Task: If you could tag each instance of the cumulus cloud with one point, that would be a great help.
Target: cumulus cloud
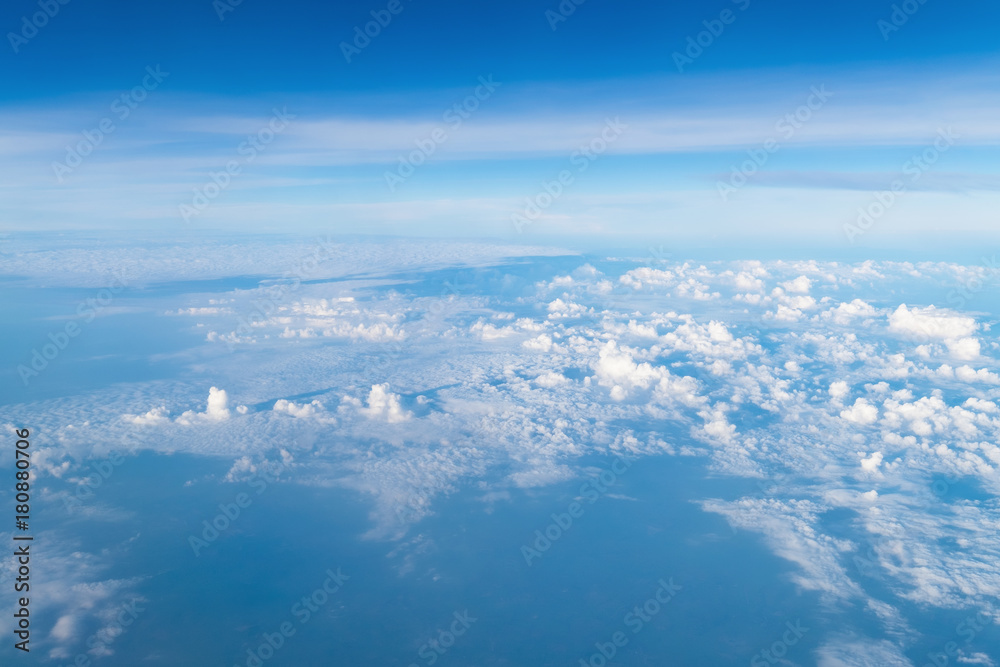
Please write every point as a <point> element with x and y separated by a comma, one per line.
<point>800,285</point>
<point>382,405</point>
<point>930,323</point>
<point>560,309</point>
<point>216,409</point>
<point>153,417</point>
<point>645,276</point>
<point>871,463</point>
<point>862,412</point>
<point>838,390</point>
<point>617,369</point>
<point>551,379</point>
<point>540,343</point>
<point>314,409</point>
<point>845,313</point>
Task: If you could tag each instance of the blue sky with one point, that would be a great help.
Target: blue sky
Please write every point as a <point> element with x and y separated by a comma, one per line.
<point>892,87</point>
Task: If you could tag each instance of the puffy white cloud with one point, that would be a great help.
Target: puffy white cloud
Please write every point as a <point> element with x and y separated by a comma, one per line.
<point>845,313</point>
<point>694,289</point>
<point>968,374</point>
<point>616,368</point>
<point>930,323</point>
<point>560,309</point>
<point>871,463</point>
<point>638,278</point>
<point>300,411</point>
<point>748,283</point>
<point>800,285</point>
<point>838,390</point>
<point>216,409</point>
<point>153,417</point>
<point>384,405</point>
<point>965,349</point>
<point>785,314</point>
<point>717,426</point>
<point>540,343</point>
<point>981,405</point>
<point>862,412</point>
<point>551,379</point>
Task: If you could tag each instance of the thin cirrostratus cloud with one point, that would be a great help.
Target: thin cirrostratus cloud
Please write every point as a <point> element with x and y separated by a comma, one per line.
<point>332,158</point>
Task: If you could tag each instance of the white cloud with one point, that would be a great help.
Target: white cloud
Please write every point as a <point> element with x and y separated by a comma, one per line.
<point>540,343</point>
<point>930,323</point>
<point>800,285</point>
<point>616,368</point>
<point>645,276</point>
<point>312,409</point>
<point>872,463</point>
<point>566,309</point>
<point>968,374</point>
<point>216,409</point>
<point>977,658</point>
<point>153,417</point>
<point>550,380</point>
<point>857,652</point>
<point>862,412</point>
<point>384,405</point>
<point>845,313</point>
<point>838,390</point>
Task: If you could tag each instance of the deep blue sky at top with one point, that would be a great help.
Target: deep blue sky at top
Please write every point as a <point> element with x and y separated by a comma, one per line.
<point>293,46</point>
<point>688,132</point>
